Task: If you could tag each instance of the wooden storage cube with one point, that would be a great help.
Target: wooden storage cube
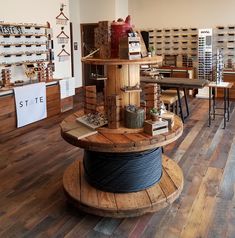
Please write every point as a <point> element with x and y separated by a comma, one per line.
<point>154,128</point>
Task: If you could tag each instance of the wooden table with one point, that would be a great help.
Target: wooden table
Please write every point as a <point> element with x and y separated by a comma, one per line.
<point>178,83</point>
<point>226,86</point>
<point>92,200</point>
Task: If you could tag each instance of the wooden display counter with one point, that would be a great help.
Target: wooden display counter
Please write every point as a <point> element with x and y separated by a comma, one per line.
<point>122,174</point>
<point>119,205</point>
<point>111,204</point>
<point>8,110</point>
<point>117,140</point>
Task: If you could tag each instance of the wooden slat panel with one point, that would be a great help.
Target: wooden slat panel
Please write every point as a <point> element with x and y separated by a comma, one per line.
<point>134,75</point>
<point>129,201</point>
<point>7,105</point>
<point>121,82</point>
<point>174,173</point>
<point>100,140</point>
<point>138,139</point>
<point>106,200</point>
<point>156,196</point>
<point>7,109</point>
<point>167,185</point>
<point>118,139</point>
<point>88,193</point>
<point>72,180</point>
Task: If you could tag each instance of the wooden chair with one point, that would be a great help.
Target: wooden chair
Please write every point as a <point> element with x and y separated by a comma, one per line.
<point>170,99</point>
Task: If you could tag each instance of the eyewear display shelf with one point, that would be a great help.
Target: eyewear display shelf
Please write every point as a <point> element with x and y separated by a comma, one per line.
<point>179,42</point>
<point>117,142</point>
<point>24,43</point>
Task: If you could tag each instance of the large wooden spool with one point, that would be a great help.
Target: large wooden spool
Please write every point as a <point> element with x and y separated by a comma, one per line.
<point>119,205</point>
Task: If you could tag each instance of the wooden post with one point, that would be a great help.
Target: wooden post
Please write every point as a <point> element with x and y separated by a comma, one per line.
<point>90,99</point>
<point>113,111</point>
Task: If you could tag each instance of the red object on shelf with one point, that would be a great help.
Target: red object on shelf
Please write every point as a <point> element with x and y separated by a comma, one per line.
<point>118,30</point>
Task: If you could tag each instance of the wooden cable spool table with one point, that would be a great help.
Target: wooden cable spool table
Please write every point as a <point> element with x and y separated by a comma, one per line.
<point>89,199</point>
<point>84,185</point>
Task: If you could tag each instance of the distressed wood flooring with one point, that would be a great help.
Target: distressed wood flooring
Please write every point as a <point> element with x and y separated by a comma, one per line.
<point>32,203</point>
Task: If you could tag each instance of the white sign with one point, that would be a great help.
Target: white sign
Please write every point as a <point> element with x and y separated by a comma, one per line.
<point>30,103</point>
<point>67,87</point>
<point>205,32</point>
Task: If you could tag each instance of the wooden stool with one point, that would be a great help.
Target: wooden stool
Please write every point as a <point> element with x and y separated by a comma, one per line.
<point>170,99</point>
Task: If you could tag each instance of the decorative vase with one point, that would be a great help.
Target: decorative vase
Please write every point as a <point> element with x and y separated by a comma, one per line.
<point>134,119</point>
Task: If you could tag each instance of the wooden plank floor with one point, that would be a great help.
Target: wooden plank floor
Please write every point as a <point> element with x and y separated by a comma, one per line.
<point>32,203</point>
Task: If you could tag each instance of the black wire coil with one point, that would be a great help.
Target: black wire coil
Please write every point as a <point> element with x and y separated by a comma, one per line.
<point>123,172</point>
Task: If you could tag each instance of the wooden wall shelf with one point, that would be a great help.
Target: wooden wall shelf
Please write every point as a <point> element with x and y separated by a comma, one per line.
<point>18,40</point>
<point>26,25</point>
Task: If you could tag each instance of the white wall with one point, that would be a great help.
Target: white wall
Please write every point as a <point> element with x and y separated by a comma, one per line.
<point>90,11</point>
<point>32,11</point>
<point>121,9</point>
<point>181,13</point>
<point>93,11</point>
<point>74,9</point>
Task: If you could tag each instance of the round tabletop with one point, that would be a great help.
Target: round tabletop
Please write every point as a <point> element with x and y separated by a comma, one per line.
<point>116,140</point>
<point>117,61</point>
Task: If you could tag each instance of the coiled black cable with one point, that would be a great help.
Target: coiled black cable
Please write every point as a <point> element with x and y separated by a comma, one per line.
<point>123,172</point>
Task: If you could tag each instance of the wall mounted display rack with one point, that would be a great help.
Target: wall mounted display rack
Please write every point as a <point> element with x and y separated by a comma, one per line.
<point>24,43</point>
<point>183,43</point>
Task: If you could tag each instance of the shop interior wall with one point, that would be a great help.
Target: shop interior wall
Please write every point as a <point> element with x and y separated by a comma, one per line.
<point>181,13</point>
<point>90,11</point>
<point>74,12</point>
<point>28,11</point>
<point>93,11</point>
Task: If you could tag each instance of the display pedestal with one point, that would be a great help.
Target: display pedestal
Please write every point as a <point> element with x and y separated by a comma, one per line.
<point>112,149</point>
<point>120,205</point>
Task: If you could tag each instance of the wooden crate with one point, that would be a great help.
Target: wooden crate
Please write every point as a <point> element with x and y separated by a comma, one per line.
<point>154,128</point>
<point>152,97</point>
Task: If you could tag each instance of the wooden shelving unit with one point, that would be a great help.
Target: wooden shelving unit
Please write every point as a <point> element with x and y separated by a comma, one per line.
<point>183,42</point>
<point>115,139</point>
<point>24,43</point>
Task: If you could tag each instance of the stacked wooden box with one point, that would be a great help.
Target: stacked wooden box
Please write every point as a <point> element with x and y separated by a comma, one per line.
<point>154,128</point>
<point>49,73</point>
<point>90,99</point>
<point>41,74</point>
<point>6,77</point>
<point>113,111</point>
<point>103,39</point>
<point>152,93</point>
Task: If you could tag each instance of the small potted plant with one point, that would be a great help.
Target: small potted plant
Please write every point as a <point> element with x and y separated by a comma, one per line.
<point>152,51</point>
<point>155,113</point>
